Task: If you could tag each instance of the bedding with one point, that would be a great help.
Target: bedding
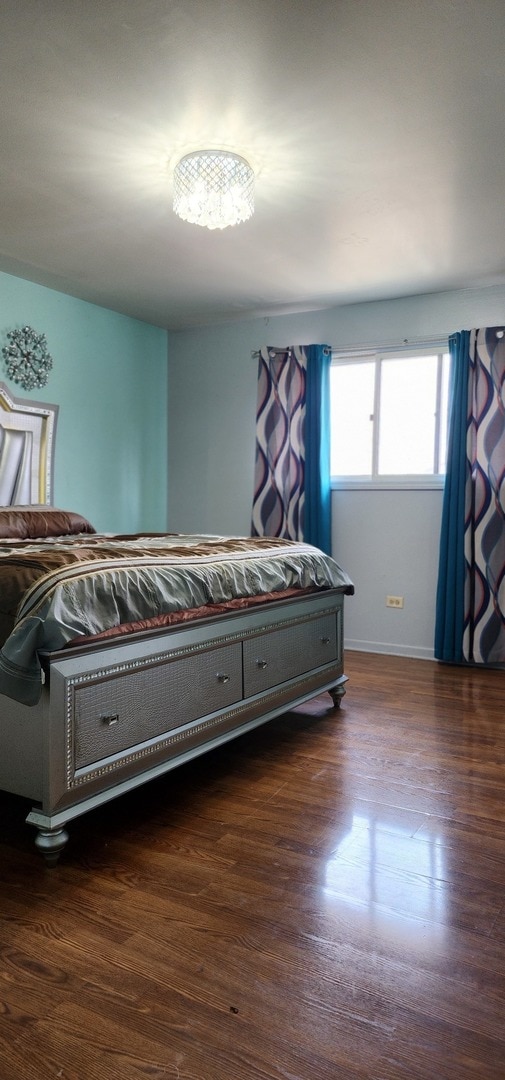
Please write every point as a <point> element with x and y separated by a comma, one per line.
<point>59,589</point>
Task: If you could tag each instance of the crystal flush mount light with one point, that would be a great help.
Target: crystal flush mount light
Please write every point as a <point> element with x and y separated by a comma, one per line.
<point>213,188</point>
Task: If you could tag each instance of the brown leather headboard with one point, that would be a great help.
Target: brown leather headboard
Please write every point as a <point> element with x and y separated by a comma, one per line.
<point>27,431</point>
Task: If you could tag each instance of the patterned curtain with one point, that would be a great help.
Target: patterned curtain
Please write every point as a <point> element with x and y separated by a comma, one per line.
<point>471,589</point>
<point>292,473</point>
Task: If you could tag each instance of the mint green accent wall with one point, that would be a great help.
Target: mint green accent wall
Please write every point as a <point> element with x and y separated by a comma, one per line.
<point>110,382</point>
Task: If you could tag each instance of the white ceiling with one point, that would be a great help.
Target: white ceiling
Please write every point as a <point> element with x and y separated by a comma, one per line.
<point>376,129</point>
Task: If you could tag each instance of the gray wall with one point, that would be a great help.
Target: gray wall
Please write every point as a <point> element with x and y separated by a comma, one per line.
<point>387,540</point>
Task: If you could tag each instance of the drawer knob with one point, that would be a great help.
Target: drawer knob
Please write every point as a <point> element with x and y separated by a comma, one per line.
<point>109,719</point>
<point>222,678</point>
<point>325,640</point>
<point>262,663</point>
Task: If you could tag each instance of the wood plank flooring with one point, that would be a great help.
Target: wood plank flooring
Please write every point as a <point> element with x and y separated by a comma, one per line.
<point>323,899</point>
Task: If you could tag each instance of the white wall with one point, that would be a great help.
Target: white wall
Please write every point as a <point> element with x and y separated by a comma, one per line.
<point>387,541</point>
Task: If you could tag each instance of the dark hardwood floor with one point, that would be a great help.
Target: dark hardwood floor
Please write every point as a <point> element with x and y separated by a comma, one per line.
<point>323,899</point>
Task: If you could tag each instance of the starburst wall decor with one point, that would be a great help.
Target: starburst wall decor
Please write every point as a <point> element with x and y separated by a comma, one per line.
<point>27,359</point>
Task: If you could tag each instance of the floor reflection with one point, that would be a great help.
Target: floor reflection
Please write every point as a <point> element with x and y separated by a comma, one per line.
<point>383,866</point>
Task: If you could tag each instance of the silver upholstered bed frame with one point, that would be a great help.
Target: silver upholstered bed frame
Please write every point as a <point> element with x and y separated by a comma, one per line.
<point>114,715</point>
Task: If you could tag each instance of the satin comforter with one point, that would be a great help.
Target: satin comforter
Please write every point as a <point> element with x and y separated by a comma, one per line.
<point>56,590</point>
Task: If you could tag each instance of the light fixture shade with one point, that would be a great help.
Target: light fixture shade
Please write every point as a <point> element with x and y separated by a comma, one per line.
<point>213,188</point>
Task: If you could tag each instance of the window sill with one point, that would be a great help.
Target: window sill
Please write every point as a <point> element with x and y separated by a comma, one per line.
<point>388,483</point>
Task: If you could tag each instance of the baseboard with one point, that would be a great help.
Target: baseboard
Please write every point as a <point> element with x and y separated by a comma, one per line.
<point>416,652</point>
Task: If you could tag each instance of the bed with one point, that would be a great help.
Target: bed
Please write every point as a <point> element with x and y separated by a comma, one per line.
<point>125,656</point>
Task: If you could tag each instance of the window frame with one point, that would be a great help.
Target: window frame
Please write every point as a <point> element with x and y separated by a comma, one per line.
<point>396,481</point>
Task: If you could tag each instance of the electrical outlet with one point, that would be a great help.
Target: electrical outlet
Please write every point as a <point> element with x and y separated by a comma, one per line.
<point>394,601</point>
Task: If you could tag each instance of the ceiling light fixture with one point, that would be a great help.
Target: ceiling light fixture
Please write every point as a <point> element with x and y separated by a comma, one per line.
<point>213,188</point>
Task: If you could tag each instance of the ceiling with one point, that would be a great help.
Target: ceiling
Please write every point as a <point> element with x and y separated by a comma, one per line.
<point>376,129</point>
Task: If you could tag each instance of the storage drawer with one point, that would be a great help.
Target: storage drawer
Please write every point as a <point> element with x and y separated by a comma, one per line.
<point>282,654</point>
<point>116,712</point>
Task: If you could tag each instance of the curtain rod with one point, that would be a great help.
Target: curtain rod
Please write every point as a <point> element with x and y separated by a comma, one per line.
<point>438,341</point>
<point>279,349</point>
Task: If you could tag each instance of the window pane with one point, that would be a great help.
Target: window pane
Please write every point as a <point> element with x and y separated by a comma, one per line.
<point>407,415</point>
<point>444,412</point>
<point>352,402</point>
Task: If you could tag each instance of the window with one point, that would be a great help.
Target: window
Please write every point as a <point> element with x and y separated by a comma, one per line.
<point>389,418</point>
